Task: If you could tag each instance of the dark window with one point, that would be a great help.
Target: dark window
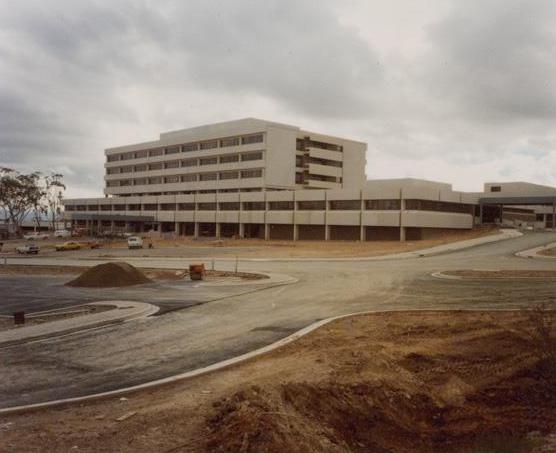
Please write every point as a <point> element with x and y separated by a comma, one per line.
<point>311,205</point>
<point>229,175</point>
<point>228,206</point>
<point>252,156</point>
<point>210,144</point>
<point>140,168</point>
<point>382,205</point>
<point>186,206</point>
<point>106,207</point>
<point>172,164</point>
<point>188,178</point>
<point>92,207</point>
<point>299,161</point>
<point>206,206</point>
<point>231,141</point>
<point>495,189</point>
<point>253,205</point>
<point>438,206</point>
<point>119,207</point>
<point>208,161</point>
<point>258,138</point>
<point>157,166</point>
<point>229,158</point>
<point>540,217</point>
<point>134,207</point>
<point>171,179</point>
<point>155,180</point>
<point>189,163</point>
<point>345,205</point>
<point>150,207</point>
<point>280,205</point>
<point>156,152</point>
<point>168,207</point>
<point>299,178</point>
<point>140,181</point>
<point>141,154</point>
<point>172,150</point>
<point>69,207</point>
<point>190,147</point>
<point>251,173</point>
<point>208,176</point>
<point>113,158</point>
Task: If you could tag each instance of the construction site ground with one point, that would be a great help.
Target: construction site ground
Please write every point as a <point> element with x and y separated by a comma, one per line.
<point>246,248</point>
<point>392,382</point>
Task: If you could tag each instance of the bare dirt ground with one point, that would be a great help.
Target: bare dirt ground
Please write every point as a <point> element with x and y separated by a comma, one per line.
<point>153,274</point>
<point>254,248</point>
<point>502,274</point>
<point>395,382</point>
<point>6,322</point>
<point>548,252</point>
<point>257,248</point>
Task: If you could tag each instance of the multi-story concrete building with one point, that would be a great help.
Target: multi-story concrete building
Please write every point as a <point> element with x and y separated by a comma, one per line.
<point>238,156</point>
<point>248,178</point>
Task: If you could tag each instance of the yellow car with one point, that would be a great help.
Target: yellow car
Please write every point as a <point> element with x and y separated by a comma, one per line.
<point>68,246</point>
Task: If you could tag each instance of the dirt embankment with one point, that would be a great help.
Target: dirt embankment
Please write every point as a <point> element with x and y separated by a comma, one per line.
<point>397,382</point>
<point>548,252</point>
<point>502,274</point>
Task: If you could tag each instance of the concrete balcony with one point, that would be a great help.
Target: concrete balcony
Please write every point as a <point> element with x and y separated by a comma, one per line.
<point>325,170</point>
<point>326,154</point>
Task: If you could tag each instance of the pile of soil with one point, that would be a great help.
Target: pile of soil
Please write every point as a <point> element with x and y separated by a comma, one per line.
<point>489,391</point>
<point>109,275</point>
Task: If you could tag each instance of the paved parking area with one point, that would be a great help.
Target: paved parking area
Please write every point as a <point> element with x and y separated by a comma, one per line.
<point>200,335</point>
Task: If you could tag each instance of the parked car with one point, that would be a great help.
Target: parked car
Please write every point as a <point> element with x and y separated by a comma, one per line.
<point>28,249</point>
<point>35,235</point>
<point>70,245</point>
<point>134,242</point>
<point>62,234</point>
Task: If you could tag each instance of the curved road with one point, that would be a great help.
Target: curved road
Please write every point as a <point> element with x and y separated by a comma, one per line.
<point>178,341</point>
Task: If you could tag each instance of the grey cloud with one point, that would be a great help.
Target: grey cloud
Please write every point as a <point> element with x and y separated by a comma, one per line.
<point>495,59</point>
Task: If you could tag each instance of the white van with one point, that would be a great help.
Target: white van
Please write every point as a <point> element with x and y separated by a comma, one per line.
<point>62,234</point>
<point>134,242</point>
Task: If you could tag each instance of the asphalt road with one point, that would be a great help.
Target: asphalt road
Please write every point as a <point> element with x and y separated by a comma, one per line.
<point>183,340</point>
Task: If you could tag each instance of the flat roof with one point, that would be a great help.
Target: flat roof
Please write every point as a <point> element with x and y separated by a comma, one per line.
<point>525,200</point>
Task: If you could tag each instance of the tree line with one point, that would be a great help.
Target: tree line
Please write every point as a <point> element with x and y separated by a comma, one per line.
<point>25,195</point>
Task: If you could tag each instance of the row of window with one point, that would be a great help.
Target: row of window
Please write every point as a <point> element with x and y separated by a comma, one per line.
<point>193,177</point>
<point>303,143</point>
<point>187,147</point>
<point>320,205</point>
<point>213,160</point>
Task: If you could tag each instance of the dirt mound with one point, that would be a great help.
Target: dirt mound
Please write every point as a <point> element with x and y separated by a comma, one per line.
<point>109,275</point>
<point>490,393</point>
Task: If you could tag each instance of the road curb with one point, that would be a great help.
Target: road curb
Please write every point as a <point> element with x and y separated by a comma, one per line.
<point>535,252</point>
<point>82,323</point>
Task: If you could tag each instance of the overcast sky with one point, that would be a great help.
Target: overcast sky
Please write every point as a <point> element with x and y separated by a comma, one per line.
<point>449,90</point>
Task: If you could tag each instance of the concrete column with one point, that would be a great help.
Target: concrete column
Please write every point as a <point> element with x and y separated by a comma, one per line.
<point>295,227</point>
<point>241,230</point>
<point>362,229</point>
<point>266,231</point>
<point>326,226</point>
<point>295,232</point>
<point>218,230</point>
<point>402,209</point>
<point>480,214</point>
<point>196,233</point>
<point>112,226</point>
<point>176,229</point>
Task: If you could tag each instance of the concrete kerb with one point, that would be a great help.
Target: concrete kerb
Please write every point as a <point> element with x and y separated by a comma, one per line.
<point>61,327</point>
<point>535,252</point>
<point>214,367</point>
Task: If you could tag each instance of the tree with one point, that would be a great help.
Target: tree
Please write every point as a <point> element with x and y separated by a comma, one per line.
<point>53,195</point>
<point>19,194</point>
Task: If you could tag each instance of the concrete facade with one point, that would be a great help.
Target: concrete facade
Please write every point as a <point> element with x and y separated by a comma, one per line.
<point>250,178</point>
